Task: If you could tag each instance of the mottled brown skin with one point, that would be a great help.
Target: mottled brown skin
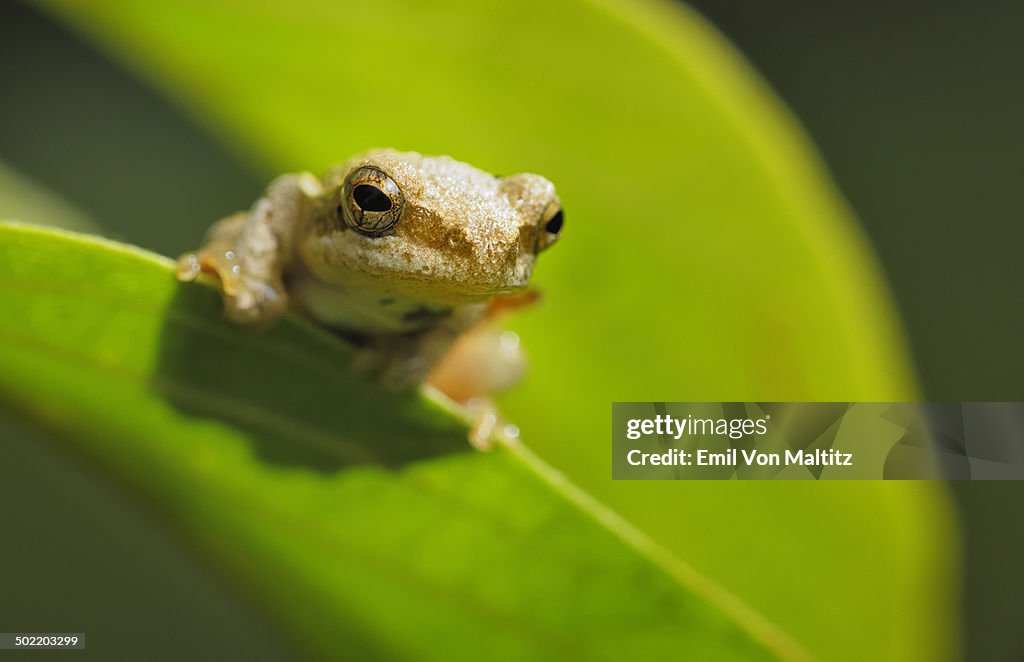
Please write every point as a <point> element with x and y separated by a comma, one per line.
<point>403,253</point>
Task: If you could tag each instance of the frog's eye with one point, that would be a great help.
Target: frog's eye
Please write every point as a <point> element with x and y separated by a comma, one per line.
<point>371,202</point>
<point>550,230</point>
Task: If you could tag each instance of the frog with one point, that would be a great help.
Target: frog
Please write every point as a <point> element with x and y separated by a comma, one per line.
<point>408,257</point>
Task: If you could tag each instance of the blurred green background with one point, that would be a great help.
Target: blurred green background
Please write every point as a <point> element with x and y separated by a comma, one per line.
<point>915,114</point>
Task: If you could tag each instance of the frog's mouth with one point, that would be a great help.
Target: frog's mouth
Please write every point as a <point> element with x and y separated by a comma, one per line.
<point>457,285</point>
<point>434,275</point>
<point>421,273</point>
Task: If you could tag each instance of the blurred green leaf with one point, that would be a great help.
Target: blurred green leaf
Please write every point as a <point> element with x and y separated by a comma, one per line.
<point>706,255</point>
<point>361,518</point>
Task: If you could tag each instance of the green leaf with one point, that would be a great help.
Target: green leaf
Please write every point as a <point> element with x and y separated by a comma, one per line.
<point>706,255</point>
<point>360,518</point>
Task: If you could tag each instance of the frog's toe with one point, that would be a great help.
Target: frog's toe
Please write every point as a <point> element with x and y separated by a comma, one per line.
<point>211,261</point>
<point>254,303</point>
<point>488,428</point>
<point>188,267</point>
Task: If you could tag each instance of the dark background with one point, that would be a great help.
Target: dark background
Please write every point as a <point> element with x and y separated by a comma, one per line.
<point>918,112</point>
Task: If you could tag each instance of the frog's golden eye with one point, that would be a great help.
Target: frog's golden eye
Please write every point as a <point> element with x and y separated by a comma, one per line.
<point>550,230</point>
<point>371,202</point>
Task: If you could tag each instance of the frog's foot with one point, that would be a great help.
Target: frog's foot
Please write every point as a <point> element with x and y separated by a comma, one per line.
<point>487,428</point>
<point>217,256</point>
<point>254,302</point>
<point>247,300</point>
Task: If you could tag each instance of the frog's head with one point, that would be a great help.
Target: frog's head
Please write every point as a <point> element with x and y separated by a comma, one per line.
<point>431,229</point>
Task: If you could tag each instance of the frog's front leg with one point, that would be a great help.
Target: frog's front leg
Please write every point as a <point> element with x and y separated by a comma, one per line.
<point>466,356</point>
<point>469,367</point>
<point>400,361</point>
<point>249,251</point>
<point>486,359</point>
<point>483,362</point>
